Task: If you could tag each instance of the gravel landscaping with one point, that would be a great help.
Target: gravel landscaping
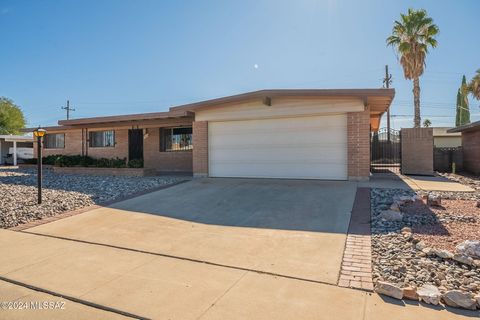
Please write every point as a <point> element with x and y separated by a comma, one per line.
<point>63,192</point>
<point>419,251</point>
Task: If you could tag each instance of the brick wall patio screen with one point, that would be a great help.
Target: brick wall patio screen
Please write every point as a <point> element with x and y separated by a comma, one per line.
<point>417,151</point>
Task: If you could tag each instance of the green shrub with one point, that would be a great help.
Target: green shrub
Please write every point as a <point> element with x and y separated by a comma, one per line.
<point>135,163</point>
<point>111,163</point>
<point>30,161</point>
<point>81,161</point>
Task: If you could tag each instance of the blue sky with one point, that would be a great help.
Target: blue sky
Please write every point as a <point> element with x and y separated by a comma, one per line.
<point>123,56</point>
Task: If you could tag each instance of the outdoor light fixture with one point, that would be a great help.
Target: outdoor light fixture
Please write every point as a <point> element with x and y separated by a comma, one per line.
<point>39,133</point>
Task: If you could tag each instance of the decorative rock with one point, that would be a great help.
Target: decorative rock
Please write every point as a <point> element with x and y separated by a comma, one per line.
<point>420,245</point>
<point>410,293</point>
<point>470,248</point>
<point>406,230</point>
<point>388,289</point>
<point>456,298</point>
<point>406,199</point>
<point>434,200</point>
<point>444,254</point>
<point>63,192</point>
<point>395,207</point>
<point>428,251</point>
<point>429,294</point>
<point>462,258</point>
<point>391,215</point>
<point>477,298</point>
<point>478,204</point>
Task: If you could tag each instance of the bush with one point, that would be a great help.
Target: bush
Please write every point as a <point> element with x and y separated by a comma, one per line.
<point>82,161</point>
<point>111,163</point>
<point>135,163</point>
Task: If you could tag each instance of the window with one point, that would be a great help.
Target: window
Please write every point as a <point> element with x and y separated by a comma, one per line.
<point>54,141</point>
<point>101,139</point>
<point>176,139</point>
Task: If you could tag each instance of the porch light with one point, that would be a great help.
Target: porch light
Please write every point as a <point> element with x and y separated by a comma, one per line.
<point>39,132</point>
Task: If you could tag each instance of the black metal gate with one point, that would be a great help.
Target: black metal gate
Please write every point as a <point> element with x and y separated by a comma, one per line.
<point>385,151</point>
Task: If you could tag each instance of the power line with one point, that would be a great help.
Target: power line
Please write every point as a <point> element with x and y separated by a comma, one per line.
<point>68,109</point>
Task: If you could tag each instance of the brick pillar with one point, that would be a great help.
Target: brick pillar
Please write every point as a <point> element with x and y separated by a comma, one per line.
<point>200,148</point>
<point>358,127</point>
<point>417,151</point>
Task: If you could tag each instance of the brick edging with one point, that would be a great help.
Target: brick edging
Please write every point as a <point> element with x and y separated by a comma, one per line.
<point>356,269</point>
<point>70,213</point>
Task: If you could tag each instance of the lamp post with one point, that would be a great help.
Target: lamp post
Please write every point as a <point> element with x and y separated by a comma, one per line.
<point>39,133</point>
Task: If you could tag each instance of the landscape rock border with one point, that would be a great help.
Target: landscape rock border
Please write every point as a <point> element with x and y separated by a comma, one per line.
<point>392,217</point>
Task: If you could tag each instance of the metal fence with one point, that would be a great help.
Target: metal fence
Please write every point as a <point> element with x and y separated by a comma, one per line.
<point>385,151</point>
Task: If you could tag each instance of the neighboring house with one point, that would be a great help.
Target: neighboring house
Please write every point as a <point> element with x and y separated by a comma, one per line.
<point>14,148</point>
<point>443,139</point>
<point>306,134</point>
<point>470,146</point>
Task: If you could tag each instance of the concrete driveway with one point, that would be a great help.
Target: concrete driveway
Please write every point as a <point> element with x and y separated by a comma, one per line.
<point>206,249</point>
<point>283,227</point>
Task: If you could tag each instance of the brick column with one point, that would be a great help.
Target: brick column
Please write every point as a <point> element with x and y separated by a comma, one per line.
<point>358,127</point>
<point>200,148</point>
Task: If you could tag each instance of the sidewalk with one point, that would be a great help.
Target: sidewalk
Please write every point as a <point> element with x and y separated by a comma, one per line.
<point>156,287</point>
<point>424,183</point>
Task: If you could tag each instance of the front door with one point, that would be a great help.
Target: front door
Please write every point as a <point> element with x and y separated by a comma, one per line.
<point>135,144</point>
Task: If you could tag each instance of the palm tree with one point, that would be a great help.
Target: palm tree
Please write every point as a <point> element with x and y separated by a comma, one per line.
<point>474,85</point>
<point>411,37</point>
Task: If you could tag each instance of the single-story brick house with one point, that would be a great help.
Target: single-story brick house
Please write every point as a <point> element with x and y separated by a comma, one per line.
<point>444,139</point>
<point>470,146</point>
<point>299,133</point>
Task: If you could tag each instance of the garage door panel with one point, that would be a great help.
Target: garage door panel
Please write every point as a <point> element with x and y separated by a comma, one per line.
<point>300,153</point>
<point>286,170</point>
<point>308,147</point>
<point>267,139</point>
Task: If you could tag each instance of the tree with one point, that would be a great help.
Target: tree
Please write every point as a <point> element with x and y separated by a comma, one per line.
<point>474,86</point>
<point>459,103</point>
<point>427,123</point>
<point>11,117</point>
<point>411,37</point>
<point>463,108</point>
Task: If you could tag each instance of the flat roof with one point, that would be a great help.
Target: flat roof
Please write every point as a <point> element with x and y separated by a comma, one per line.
<point>378,100</point>
<point>443,132</point>
<point>124,118</point>
<point>467,127</point>
<point>12,137</point>
<point>381,98</point>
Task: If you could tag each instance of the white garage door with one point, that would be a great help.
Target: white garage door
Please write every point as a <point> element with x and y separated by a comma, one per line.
<point>303,147</point>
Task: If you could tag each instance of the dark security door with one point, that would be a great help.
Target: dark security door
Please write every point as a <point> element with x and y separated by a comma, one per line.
<point>135,144</point>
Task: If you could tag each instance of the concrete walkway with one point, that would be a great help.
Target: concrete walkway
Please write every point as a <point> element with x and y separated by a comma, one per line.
<point>424,183</point>
<point>155,287</point>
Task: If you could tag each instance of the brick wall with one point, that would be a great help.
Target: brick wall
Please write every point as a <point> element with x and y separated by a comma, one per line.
<point>178,161</point>
<point>471,151</point>
<point>119,151</point>
<point>417,151</point>
<point>73,144</point>
<point>358,127</point>
<point>200,148</point>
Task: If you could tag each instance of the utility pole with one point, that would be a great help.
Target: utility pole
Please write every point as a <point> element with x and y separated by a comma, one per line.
<point>387,81</point>
<point>68,109</point>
